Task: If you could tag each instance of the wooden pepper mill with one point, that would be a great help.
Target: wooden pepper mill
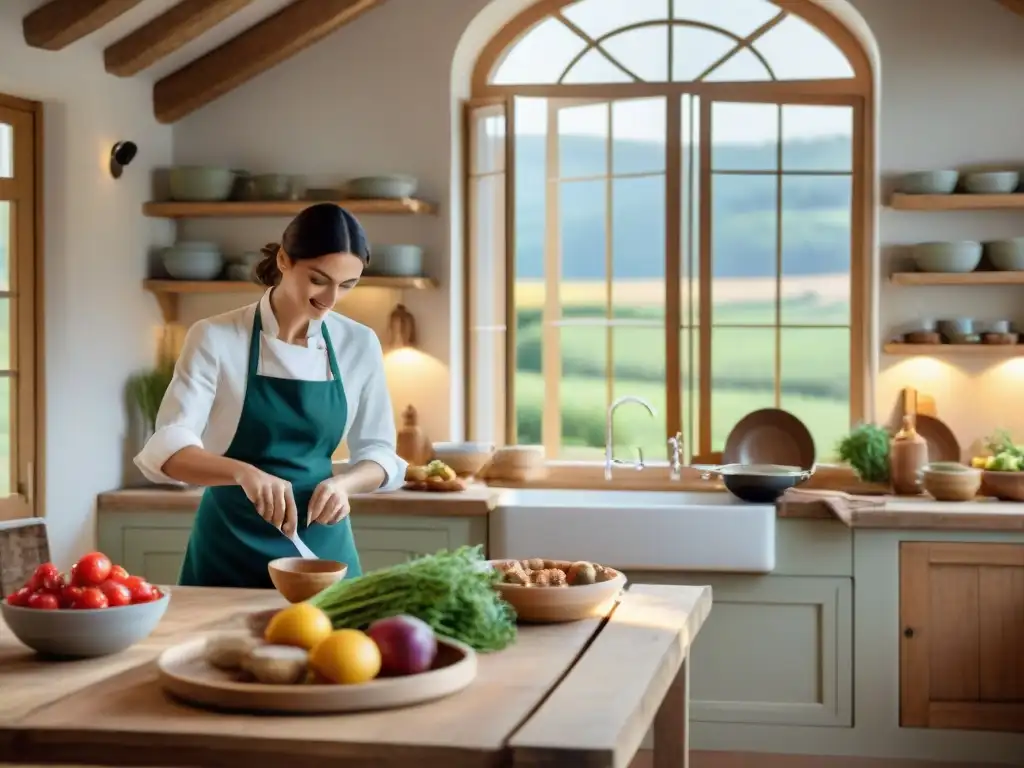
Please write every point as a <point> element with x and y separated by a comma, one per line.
<point>412,445</point>
<point>908,455</point>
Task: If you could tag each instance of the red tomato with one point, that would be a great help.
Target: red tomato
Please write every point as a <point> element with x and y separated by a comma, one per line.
<point>94,568</point>
<point>118,574</point>
<point>142,591</point>
<point>46,577</point>
<point>20,597</point>
<point>117,594</point>
<point>44,601</point>
<point>90,599</point>
<point>75,578</point>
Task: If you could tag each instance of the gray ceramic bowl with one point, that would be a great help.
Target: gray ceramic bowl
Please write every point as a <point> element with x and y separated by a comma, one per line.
<point>929,182</point>
<point>85,634</point>
<point>397,260</point>
<point>1006,255</point>
<point>956,256</point>
<point>991,182</point>
<point>193,183</point>
<point>382,187</point>
<point>193,261</point>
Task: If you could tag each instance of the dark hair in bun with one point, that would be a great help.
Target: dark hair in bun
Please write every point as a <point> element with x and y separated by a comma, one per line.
<point>317,231</point>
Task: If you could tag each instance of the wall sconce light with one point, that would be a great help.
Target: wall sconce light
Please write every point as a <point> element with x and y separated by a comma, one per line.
<point>401,328</point>
<point>121,155</point>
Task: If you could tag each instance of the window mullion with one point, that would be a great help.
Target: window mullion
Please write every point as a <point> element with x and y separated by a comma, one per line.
<point>551,356</point>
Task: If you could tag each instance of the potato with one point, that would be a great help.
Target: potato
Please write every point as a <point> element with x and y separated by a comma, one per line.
<point>582,572</point>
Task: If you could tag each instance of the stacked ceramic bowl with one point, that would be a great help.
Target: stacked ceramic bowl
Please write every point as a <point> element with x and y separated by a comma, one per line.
<point>950,481</point>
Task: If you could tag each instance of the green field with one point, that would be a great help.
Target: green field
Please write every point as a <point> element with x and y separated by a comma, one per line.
<point>814,368</point>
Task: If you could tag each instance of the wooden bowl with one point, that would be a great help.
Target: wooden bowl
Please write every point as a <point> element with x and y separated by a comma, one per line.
<point>298,578</point>
<point>956,485</point>
<point>1005,486</point>
<point>549,605</point>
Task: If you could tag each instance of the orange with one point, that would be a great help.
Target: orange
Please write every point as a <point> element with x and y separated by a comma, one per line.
<point>301,625</point>
<point>346,657</point>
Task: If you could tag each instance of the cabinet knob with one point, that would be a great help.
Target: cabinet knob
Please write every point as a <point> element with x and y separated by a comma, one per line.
<point>908,632</point>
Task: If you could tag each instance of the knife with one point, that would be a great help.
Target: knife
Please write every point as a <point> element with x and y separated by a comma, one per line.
<point>300,545</point>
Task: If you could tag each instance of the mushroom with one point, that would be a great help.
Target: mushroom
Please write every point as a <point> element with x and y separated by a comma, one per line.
<point>227,651</point>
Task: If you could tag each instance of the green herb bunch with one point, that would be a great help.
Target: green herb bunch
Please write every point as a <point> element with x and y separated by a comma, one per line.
<point>452,591</point>
<point>147,390</point>
<point>866,449</point>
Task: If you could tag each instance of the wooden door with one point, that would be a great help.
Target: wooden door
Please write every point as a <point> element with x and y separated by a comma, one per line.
<point>962,645</point>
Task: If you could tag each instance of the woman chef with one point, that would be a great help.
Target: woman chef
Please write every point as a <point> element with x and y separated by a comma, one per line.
<point>262,396</point>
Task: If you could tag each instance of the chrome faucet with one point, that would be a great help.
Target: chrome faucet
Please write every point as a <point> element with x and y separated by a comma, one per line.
<point>609,448</point>
<point>675,455</point>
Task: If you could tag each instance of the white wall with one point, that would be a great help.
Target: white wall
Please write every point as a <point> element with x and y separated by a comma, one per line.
<point>99,324</point>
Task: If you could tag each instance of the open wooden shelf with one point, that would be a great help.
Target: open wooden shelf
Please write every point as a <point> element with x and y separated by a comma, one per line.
<point>250,209</point>
<point>168,292</point>
<point>981,350</point>
<point>955,202</point>
<point>957,278</point>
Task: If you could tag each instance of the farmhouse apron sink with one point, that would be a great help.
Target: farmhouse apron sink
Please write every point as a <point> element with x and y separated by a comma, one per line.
<point>668,530</point>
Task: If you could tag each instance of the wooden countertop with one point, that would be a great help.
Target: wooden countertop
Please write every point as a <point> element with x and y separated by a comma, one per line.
<point>903,512</point>
<point>524,706</point>
<point>477,500</point>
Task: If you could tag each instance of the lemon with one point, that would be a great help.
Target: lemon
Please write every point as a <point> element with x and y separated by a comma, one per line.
<point>346,657</point>
<point>301,625</point>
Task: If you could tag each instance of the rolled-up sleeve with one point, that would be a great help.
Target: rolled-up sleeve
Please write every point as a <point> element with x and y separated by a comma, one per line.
<point>372,435</point>
<point>185,409</point>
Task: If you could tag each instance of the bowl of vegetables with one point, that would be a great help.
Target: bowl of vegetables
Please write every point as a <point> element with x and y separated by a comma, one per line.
<point>96,609</point>
<point>1003,469</point>
<point>549,591</point>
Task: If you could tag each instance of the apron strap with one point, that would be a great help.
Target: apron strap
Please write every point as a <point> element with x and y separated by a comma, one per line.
<point>331,359</point>
<point>254,343</point>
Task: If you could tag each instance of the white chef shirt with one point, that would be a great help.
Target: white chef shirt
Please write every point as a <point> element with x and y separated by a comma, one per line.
<point>203,403</point>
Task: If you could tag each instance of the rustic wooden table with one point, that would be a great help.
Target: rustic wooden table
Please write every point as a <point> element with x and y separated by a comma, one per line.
<point>579,694</point>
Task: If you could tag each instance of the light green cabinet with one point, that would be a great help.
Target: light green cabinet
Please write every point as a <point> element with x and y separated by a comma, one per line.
<point>152,543</point>
<point>778,649</point>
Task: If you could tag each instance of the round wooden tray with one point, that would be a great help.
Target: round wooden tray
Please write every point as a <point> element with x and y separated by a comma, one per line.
<point>185,674</point>
<point>551,605</point>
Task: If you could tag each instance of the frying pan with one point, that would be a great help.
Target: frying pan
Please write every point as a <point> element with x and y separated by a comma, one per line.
<point>758,483</point>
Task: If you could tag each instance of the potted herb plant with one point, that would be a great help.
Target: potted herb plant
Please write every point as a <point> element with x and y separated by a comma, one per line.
<point>145,391</point>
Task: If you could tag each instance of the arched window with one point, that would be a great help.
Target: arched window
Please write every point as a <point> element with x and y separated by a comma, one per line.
<point>666,198</point>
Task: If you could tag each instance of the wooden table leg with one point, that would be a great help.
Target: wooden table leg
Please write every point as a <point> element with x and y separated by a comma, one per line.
<point>671,732</point>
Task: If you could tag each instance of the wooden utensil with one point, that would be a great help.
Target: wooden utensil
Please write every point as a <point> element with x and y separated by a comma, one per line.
<point>184,672</point>
<point>942,443</point>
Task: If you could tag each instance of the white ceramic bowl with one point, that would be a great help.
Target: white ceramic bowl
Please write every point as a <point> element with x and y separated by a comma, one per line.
<point>929,182</point>
<point>85,634</point>
<point>991,182</point>
<point>953,256</point>
<point>464,458</point>
<point>1006,255</point>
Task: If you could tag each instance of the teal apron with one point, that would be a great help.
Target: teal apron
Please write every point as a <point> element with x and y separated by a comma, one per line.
<point>289,429</point>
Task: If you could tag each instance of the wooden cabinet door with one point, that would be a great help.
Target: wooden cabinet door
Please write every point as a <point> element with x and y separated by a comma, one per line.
<point>962,645</point>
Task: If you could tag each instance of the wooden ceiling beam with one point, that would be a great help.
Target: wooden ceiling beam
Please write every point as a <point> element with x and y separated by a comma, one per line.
<point>178,25</point>
<point>1017,6</point>
<point>59,23</point>
<point>264,45</point>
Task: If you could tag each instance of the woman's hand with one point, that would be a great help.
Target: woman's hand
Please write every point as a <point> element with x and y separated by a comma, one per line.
<point>329,504</point>
<point>272,497</point>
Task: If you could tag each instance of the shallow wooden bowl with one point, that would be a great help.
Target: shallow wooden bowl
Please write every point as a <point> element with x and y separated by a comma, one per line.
<point>298,579</point>
<point>549,605</point>
<point>957,485</point>
<point>1005,486</point>
<point>185,674</point>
